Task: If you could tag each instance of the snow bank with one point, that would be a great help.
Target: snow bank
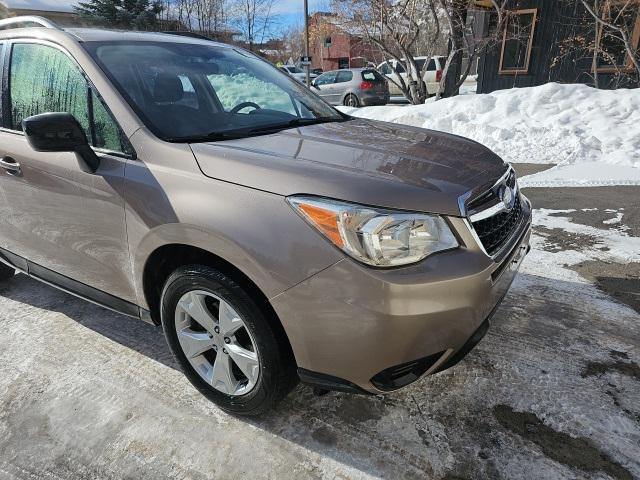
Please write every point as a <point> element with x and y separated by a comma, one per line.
<point>593,135</point>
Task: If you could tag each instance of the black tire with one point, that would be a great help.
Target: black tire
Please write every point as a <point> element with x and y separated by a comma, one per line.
<point>6,272</point>
<point>351,101</point>
<point>277,375</point>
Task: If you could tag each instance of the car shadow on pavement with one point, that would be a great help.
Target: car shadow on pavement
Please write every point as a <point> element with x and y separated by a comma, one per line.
<point>129,332</point>
<point>502,401</point>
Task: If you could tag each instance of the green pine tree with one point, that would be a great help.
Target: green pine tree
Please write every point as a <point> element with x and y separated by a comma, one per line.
<point>127,14</point>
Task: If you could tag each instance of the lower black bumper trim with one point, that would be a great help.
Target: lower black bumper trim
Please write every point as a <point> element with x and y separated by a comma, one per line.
<point>467,347</point>
<point>323,381</point>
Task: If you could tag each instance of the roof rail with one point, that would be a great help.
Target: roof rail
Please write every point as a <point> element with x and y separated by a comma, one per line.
<point>16,22</point>
<point>187,34</point>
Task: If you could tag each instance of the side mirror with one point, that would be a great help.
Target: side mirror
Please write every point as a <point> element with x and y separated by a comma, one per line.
<point>313,84</point>
<point>60,132</point>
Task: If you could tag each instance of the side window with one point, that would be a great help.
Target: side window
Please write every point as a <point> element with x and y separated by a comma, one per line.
<point>432,65</point>
<point>399,68</point>
<point>344,76</point>
<point>43,79</point>
<point>107,133</point>
<point>326,78</point>
<point>385,69</point>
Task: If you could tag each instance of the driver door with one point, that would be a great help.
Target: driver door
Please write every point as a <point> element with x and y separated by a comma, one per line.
<point>325,82</point>
<point>69,225</point>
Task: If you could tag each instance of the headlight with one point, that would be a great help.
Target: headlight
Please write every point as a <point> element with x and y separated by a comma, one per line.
<point>378,237</point>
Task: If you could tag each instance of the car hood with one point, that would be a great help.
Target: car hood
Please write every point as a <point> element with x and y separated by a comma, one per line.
<point>362,161</point>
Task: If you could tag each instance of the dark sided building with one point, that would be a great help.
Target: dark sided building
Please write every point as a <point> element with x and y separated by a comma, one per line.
<point>557,41</point>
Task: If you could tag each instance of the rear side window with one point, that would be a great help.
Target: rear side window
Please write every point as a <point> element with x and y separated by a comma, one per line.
<point>371,76</point>
<point>386,69</point>
<point>44,79</point>
<point>344,76</point>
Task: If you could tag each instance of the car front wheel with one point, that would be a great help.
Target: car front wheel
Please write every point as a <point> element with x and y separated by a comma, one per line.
<point>223,341</point>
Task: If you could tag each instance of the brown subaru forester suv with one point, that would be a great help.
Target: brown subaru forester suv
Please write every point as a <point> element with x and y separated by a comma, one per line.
<point>193,185</point>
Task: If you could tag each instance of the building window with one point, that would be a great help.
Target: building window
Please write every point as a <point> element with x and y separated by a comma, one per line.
<point>612,54</point>
<point>517,41</point>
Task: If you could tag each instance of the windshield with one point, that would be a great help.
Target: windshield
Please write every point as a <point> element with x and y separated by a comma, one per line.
<point>198,92</point>
<point>294,70</point>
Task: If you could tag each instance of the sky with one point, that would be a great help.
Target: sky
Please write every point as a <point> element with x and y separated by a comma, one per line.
<point>289,12</point>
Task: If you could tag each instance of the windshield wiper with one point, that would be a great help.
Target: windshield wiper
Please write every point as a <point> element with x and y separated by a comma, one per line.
<point>296,122</point>
<point>249,132</point>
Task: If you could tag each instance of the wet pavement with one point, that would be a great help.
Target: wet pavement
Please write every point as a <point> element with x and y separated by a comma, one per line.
<point>553,390</point>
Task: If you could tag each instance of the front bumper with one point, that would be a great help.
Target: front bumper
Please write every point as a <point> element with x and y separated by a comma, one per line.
<point>352,325</point>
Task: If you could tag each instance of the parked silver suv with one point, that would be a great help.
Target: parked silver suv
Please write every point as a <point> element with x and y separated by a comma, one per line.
<point>193,185</point>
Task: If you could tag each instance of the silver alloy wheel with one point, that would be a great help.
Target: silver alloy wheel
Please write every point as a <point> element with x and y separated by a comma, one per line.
<point>352,101</point>
<point>217,342</point>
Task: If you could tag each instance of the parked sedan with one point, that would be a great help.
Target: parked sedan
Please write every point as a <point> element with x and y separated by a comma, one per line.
<point>353,87</point>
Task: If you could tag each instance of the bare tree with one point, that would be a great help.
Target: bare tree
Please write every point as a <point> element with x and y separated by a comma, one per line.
<point>253,19</point>
<point>611,18</point>
<point>293,43</point>
<point>604,33</point>
<point>206,17</point>
<point>464,41</point>
<point>404,29</point>
<point>401,30</point>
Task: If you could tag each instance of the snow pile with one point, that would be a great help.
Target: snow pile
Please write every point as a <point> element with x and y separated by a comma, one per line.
<point>592,135</point>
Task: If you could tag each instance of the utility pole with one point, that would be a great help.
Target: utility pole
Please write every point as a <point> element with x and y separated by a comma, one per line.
<point>306,40</point>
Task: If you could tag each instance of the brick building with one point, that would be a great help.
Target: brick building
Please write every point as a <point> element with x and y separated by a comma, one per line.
<point>332,47</point>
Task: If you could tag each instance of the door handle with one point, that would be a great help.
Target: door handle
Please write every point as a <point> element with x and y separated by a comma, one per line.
<point>10,165</point>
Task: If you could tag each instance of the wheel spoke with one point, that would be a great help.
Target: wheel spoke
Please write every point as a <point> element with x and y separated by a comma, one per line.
<point>246,360</point>
<point>225,333</point>
<point>194,343</point>
<point>222,378</point>
<point>193,304</point>
<point>229,320</point>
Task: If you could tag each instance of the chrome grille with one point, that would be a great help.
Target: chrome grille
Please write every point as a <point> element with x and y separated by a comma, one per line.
<point>495,231</point>
<point>493,222</point>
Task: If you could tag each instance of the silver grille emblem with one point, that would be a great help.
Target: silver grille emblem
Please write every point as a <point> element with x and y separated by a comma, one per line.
<point>507,196</point>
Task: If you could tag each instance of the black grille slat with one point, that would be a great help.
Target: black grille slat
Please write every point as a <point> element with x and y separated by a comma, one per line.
<point>495,231</point>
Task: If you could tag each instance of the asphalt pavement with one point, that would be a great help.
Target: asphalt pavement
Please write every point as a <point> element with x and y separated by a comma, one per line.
<point>551,392</point>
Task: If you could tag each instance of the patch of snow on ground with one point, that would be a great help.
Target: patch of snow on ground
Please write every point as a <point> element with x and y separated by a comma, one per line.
<point>592,135</point>
<point>614,220</point>
<point>608,245</point>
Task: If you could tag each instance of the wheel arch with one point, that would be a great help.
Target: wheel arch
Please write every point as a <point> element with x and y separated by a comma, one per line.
<point>165,259</point>
<point>348,94</point>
